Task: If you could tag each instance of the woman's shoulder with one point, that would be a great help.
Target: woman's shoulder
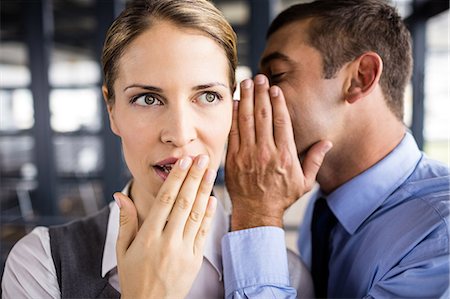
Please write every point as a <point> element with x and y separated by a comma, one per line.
<point>35,244</point>
<point>299,276</point>
<point>29,269</point>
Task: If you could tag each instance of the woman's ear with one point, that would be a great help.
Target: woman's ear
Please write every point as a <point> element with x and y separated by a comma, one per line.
<point>110,108</point>
<point>365,73</point>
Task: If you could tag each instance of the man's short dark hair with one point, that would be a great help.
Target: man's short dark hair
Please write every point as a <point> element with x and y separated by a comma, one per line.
<point>342,30</point>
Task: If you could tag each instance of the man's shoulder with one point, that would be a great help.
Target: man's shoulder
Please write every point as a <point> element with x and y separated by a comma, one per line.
<point>428,168</point>
<point>429,183</point>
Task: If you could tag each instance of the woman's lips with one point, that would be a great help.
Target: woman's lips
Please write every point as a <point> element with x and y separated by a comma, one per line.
<point>161,172</point>
<point>163,168</point>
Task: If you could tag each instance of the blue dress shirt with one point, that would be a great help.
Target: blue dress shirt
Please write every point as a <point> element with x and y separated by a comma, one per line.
<point>392,238</point>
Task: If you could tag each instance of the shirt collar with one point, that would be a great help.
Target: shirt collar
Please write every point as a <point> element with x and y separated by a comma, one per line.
<point>352,205</point>
<point>212,252</point>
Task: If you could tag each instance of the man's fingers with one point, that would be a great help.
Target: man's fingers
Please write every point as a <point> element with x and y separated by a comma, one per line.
<point>246,116</point>
<point>167,195</point>
<point>128,223</point>
<point>233,137</point>
<point>263,112</point>
<point>205,226</point>
<point>282,126</point>
<point>313,160</point>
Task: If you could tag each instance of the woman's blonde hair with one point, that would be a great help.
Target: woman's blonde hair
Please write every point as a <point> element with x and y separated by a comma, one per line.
<point>140,15</point>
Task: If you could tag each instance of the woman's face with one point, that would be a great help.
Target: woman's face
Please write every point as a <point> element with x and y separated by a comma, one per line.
<point>173,99</point>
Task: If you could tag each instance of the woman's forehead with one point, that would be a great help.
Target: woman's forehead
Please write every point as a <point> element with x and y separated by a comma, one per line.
<point>165,51</point>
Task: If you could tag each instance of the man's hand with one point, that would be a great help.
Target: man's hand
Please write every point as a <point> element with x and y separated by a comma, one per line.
<point>262,171</point>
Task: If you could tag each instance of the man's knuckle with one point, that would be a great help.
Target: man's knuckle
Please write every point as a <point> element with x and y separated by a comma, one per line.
<point>264,155</point>
<point>285,158</point>
<point>280,121</point>
<point>234,132</point>
<point>317,162</point>
<point>263,113</point>
<point>246,118</point>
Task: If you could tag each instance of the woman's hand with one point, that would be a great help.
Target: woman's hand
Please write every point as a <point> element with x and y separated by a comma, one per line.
<point>161,259</point>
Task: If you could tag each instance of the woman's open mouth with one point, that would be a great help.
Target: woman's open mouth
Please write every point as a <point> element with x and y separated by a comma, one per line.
<point>164,167</point>
<point>163,170</point>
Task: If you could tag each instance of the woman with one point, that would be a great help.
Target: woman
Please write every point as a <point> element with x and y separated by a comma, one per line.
<point>169,77</point>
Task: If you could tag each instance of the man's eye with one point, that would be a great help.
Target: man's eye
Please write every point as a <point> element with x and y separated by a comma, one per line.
<point>146,100</point>
<point>276,78</point>
<point>209,97</point>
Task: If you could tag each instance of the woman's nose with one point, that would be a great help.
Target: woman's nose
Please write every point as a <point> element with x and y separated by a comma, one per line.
<point>179,129</point>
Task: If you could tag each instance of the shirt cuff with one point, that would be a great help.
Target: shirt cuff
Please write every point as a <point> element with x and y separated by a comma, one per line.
<point>254,257</point>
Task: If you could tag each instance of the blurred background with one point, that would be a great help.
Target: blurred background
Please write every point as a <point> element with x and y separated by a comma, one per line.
<point>58,158</point>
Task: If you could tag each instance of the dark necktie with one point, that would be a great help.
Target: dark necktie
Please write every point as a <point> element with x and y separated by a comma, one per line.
<point>323,221</point>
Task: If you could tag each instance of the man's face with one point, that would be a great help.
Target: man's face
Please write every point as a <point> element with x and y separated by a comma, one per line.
<point>314,102</point>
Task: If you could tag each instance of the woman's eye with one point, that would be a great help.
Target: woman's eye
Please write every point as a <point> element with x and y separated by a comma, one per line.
<point>147,100</point>
<point>209,97</point>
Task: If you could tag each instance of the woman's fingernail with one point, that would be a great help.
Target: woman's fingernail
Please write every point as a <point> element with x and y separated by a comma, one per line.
<point>202,161</point>
<point>117,199</point>
<point>185,162</point>
<point>210,176</point>
<point>212,203</point>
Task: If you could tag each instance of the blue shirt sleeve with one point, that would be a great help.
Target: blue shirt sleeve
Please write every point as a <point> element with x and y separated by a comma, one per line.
<point>255,264</point>
<point>423,273</point>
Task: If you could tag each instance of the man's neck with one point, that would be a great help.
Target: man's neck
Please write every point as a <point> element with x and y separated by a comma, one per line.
<point>359,152</point>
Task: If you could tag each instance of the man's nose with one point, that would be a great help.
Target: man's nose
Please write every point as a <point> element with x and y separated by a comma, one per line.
<point>180,127</point>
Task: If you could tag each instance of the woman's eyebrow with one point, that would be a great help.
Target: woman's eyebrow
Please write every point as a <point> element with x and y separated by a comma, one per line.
<point>160,90</point>
<point>209,85</point>
<point>143,86</point>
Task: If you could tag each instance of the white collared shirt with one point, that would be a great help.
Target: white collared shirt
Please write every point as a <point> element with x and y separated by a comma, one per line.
<point>30,271</point>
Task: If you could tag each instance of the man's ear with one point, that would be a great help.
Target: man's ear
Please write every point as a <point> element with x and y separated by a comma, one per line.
<point>110,108</point>
<point>365,73</point>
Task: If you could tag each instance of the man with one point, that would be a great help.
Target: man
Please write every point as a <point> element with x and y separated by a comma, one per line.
<point>378,226</point>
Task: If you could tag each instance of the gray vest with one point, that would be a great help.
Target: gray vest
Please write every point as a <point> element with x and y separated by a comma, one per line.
<point>77,252</point>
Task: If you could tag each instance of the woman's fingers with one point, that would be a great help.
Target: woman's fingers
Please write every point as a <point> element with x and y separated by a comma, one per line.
<point>199,208</point>
<point>205,226</point>
<point>187,195</point>
<point>128,223</point>
<point>167,195</point>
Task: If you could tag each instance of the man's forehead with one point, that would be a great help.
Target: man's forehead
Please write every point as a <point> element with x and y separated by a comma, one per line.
<point>283,43</point>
